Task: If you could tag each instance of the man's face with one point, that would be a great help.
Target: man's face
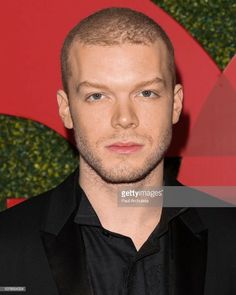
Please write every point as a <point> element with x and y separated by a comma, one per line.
<point>122,107</point>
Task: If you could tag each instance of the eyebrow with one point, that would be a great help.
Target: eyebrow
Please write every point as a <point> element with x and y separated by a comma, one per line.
<point>102,86</point>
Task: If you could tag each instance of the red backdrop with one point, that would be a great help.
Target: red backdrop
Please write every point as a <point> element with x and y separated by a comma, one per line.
<point>32,33</point>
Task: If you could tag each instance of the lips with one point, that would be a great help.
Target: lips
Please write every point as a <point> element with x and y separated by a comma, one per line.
<point>124,147</point>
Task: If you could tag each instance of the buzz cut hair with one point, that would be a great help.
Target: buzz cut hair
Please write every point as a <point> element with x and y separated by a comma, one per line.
<point>115,26</point>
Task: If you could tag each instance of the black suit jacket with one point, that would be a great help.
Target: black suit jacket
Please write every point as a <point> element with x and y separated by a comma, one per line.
<point>41,247</point>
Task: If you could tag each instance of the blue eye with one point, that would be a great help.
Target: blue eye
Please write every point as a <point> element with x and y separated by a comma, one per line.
<point>95,96</point>
<point>148,93</point>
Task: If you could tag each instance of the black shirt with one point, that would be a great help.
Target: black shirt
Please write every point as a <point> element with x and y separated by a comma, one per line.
<point>114,264</point>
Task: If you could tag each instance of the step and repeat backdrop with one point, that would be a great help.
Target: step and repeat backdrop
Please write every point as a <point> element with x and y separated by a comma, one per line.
<point>37,153</point>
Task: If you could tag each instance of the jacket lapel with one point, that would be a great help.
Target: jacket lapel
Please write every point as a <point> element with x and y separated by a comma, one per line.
<point>64,247</point>
<point>62,240</point>
<point>188,254</point>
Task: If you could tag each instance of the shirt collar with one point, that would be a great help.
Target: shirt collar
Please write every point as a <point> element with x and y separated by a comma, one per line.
<point>86,214</point>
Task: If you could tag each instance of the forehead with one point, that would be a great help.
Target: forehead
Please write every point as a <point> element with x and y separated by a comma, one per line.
<point>134,61</point>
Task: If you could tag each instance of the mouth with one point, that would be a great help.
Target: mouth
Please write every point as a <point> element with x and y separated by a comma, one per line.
<point>124,147</point>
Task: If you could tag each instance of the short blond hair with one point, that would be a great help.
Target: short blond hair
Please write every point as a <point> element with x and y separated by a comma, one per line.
<point>113,26</point>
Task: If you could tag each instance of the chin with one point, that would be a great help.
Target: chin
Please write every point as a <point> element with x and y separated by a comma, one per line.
<point>124,170</point>
<point>124,175</point>
<point>122,179</point>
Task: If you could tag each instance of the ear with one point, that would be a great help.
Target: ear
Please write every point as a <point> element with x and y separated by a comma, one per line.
<point>64,109</point>
<point>178,103</point>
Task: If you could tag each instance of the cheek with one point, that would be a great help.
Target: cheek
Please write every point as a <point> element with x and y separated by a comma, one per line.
<point>90,125</point>
<point>156,120</point>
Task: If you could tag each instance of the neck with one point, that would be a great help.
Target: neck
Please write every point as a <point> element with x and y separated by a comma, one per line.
<point>104,198</point>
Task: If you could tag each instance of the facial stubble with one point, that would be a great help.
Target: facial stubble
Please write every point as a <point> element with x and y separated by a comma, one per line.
<point>122,173</point>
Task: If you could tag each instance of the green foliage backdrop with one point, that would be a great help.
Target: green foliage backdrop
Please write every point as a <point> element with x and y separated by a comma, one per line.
<point>34,158</point>
<point>212,23</point>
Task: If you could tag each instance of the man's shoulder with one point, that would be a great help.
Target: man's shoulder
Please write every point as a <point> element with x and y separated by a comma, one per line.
<point>29,213</point>
<point>216,213</point>
<point>25,214</point>
<point>218,216</point>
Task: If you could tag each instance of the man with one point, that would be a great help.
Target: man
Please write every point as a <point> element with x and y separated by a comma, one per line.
<point>121,98</point>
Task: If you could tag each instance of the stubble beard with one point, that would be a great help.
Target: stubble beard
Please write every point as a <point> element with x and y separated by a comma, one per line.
<point>123,173</point>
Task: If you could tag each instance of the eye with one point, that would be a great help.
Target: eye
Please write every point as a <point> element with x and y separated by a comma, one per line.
<point>95,96</point>
<point>148,93</point>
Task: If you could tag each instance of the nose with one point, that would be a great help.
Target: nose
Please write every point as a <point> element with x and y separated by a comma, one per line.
<point>124,115</point>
